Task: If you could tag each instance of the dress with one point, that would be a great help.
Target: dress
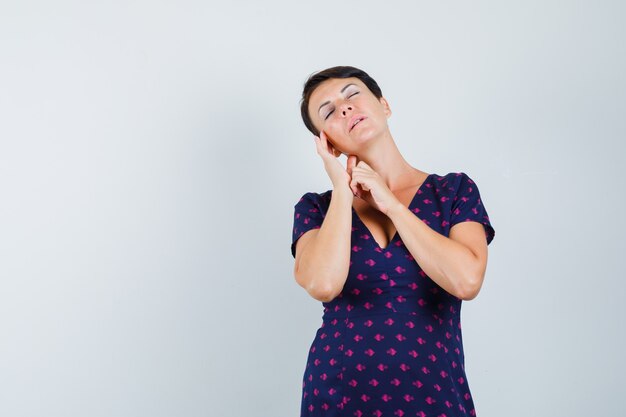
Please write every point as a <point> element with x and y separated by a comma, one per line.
<point>390,343</point>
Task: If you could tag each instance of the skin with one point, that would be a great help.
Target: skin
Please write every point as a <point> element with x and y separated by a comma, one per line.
<point>379,183</point>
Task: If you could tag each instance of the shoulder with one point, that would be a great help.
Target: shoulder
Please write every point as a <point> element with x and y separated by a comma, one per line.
<point>451,182</point>
<point>320,201</point>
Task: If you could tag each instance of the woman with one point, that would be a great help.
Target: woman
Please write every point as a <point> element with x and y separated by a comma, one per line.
<point>391,251</point>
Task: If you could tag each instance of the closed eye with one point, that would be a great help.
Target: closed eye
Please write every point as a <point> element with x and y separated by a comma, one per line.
<point>331,112</point>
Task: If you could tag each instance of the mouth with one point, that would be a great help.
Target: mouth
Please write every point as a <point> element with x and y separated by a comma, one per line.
<point>355,121</point>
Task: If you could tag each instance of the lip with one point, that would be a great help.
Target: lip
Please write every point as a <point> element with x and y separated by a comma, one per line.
<point>354,119</point>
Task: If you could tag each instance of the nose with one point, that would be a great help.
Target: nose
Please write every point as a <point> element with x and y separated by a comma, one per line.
<point>348,108</point>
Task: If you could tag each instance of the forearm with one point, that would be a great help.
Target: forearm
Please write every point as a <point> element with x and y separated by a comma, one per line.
<point>450,264</point>
<point>326,259</point>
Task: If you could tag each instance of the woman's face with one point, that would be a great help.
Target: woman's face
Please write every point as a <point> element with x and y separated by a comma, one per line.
<point>338,103</point>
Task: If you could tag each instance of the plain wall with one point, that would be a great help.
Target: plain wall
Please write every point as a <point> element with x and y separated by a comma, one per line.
<point>151,154</point>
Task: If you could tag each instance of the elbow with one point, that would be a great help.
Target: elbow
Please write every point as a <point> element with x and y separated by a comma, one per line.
<point>324,294</point>
<point>470,288</point>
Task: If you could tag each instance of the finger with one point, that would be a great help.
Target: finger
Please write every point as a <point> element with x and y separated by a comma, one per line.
<point>363,164</point>
<point>351,163</point>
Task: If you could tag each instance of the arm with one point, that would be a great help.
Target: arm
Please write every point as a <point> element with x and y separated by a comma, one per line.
<point>457,264</point>
<point>323,255</point>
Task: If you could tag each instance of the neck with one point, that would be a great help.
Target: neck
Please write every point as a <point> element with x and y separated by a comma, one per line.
<point>385,158</point>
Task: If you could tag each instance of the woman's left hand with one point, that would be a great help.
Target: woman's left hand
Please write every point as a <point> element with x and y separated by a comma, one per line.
<point>369,186</point>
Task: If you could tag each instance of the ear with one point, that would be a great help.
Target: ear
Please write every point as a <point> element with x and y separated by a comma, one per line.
<point>386,107</point>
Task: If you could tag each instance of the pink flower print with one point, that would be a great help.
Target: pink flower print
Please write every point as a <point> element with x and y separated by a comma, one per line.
<point>365,398</point>
<point>432,357</point>
<point>369,352</point>
<point>374,382</point>
<point>386,397</point>
<point>377,291</point>
<point>425,370</point>
<point>408,398</point>
<point>360,367</point>
<point>332,391</point>
<point>389,321</point>
<point>421,302</point>
<point>316,362</point>
<point>384,276</point>
<point>430,400</point>
<point>443,374</point>
<point>388,254</point>
<point>467,396</point>
<point>353,383</point>
<point>400,270</point>
<point>421,341</point>
<point>316,392</point>
<point>410,324</point>
<point>382,367</point>
<point>395,382</point>
<point>379,337</point>
<point>356,248</point>
<point>377,413</point>
<point>368,305</point>
<point>370,262</point>
<point>418,383</point>
<point>400,337</point>
<point>332,361</point>
<point>349,353</point>
<point>429,328</point>
<point>421,414</point>
<point>437,387</point>
<point>337,334</point>
<point>400,299</point>
<point>358,338</point>
<point>413,353</point>
<point>392,283</point>
<point>404,367</point>
<point>361,277</point>
<point>448,404</point>
<point>413,286</point>
<point>325,406</point>
<point>461,380</point>
<point>323,377</point>
<point>368,323</point>
<point>354,291</point>
<point>399,413</point>
<point>391,351</point>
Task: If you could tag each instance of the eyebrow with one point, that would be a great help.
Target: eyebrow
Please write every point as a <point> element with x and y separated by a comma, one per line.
<point>328,102</point>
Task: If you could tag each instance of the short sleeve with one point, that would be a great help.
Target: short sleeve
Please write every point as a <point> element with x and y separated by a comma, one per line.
<point>468,206</point>
<point>307,215</point>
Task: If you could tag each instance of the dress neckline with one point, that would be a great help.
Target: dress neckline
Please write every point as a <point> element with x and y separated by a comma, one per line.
<point>395,235</point>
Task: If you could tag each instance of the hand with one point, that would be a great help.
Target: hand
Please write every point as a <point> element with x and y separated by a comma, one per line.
<point>337,173</point>
<point>369,186</point>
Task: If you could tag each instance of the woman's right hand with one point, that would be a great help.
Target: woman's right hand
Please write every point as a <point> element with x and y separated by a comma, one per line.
<point>339,176</point>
